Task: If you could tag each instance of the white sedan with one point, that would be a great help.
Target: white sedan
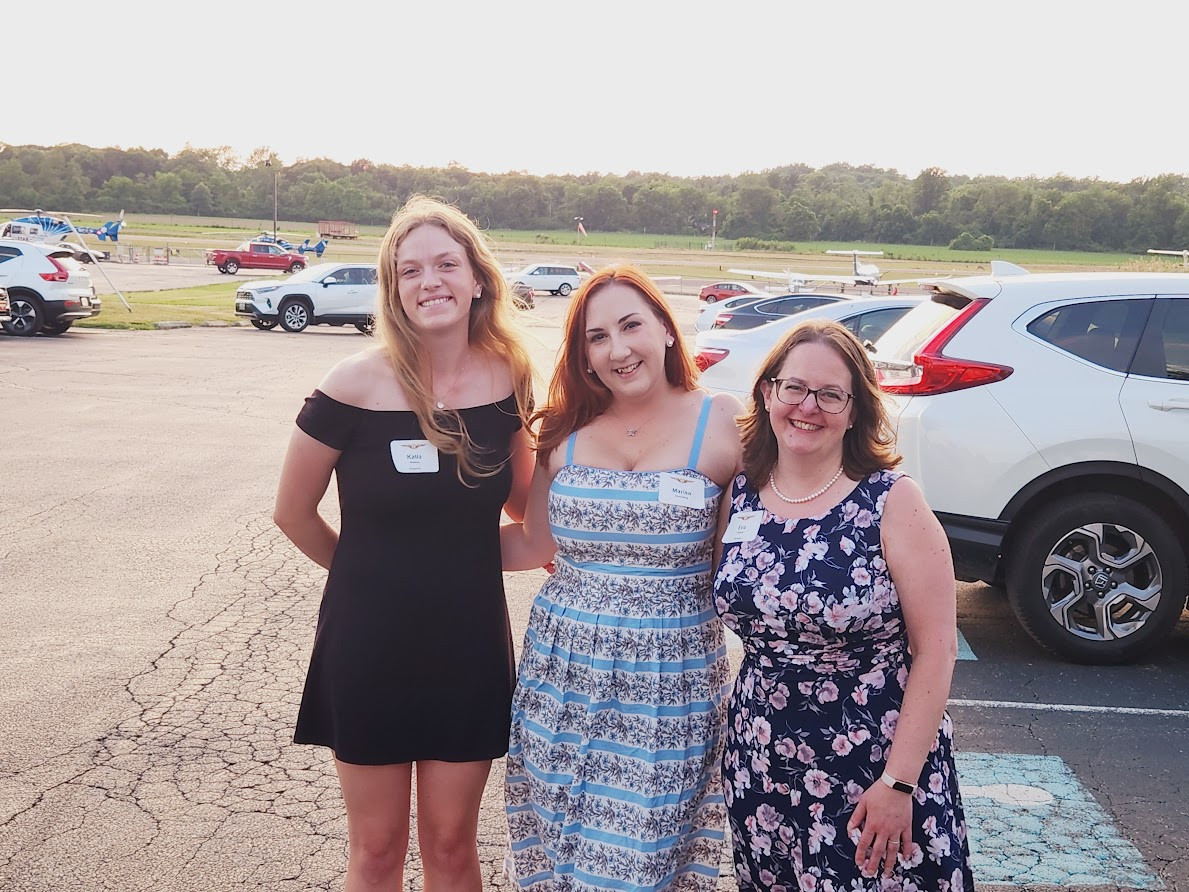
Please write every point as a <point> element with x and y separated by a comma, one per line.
<point>705,319</point>
<point>730,360</point>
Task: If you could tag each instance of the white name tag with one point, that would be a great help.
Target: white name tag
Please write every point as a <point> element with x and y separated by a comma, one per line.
<point>743,527</point>
<point>688,492</point>
<point>414,456</point>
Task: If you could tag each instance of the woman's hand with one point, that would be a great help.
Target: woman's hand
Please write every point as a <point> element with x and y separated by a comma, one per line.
<point>882,826</point>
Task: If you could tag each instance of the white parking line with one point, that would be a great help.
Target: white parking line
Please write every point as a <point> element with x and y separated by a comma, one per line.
<point>1073,707</point>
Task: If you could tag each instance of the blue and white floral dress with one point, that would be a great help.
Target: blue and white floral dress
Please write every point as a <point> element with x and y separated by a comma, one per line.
<point>814,708</point>
<point>613,764</point>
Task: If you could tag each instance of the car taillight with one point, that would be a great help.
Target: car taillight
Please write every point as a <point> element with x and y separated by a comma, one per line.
<point>58,275</point>
<point>933,373</point>
<point>708,356</point>
<point>721,319</point>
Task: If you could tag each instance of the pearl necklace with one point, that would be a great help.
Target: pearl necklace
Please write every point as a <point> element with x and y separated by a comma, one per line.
<point>808,498</point>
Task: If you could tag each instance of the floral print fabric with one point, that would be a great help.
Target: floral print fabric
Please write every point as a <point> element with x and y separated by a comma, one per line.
<point>814,708</point>
<point>613,765</point>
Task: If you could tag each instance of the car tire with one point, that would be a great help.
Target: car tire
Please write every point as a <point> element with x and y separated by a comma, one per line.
<point>56,328</point>
<point>231,267</point>
<point>264,324</point>
<point>28,316</point>
<point>295,267</point>
<point>1086,612</point>
<point>565,289</point>
<point>295,315</point>
<point>368,327</point>
<point>710,298</point>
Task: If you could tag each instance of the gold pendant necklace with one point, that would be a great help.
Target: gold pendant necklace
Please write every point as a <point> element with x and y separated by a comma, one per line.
<point>441,406</point>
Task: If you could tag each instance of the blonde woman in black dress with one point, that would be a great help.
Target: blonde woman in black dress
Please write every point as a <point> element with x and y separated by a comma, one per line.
<point>412,660</point>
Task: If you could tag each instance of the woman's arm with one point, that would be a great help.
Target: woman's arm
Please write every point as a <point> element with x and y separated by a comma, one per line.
<point>521,460</point>
<point>305,475</point>
<point>529,544</point>
<point>922,569</point>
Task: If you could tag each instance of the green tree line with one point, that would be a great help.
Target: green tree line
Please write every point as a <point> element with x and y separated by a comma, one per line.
<point>838,202</point>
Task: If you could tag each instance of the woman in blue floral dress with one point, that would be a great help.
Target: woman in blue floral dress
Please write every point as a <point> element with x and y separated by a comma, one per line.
<point>838,765</point>
<point>613,764</point>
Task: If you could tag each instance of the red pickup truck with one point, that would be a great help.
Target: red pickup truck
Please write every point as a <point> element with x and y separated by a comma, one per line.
<point>255,255</point>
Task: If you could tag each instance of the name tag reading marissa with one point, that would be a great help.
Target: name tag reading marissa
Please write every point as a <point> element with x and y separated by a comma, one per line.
<point>743,527</point>
<point>414,456</point>
<point>688,492</point>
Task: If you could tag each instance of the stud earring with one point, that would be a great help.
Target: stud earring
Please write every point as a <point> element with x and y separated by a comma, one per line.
<point>669,342</point>
<point>479,292</point>
<point>589,371</point>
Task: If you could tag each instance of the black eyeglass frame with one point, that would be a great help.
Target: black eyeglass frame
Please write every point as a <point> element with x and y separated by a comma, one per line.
<point>776,382</point>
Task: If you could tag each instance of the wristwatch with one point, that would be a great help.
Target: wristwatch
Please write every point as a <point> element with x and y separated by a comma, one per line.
<point>898,785</point>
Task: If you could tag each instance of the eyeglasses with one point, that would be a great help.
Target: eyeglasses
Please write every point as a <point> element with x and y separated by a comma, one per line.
<point>792,392</point>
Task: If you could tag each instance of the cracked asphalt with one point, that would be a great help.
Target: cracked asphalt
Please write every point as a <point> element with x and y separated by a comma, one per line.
<point>157,627</point>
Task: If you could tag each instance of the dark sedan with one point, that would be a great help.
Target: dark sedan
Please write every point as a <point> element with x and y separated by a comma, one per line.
<point>770,308</point>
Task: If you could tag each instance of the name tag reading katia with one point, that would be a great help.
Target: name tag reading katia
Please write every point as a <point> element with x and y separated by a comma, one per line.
<point>688,492</point>
<point>743,527</point>
<point>414,456</point>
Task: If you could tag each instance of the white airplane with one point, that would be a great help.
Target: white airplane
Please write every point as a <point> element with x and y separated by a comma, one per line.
<point>1184,255</point>
<point>864,274</point>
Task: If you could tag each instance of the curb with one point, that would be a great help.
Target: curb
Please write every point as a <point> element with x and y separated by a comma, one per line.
<point>172,325</point>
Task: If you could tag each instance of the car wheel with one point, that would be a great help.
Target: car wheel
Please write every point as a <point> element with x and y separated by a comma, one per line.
<point>367,328</point>
<point>710,298</point>
<point>231,267</point>
<point>1098,579</point>
<point>295,315</point>
<point>295,267</point>
<point>264,324</point>
<point>223,268</point>
<point>57,328</point>
<point>27,316</point>
<point>565,289</point>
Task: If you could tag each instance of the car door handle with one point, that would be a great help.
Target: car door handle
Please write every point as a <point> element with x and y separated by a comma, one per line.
<point>1169,405</point>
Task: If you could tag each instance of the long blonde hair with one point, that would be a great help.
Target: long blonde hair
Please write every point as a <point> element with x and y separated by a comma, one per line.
<point>492,330</point>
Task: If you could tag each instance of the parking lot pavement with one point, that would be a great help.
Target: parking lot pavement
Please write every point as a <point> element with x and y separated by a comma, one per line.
<point>157,628</point>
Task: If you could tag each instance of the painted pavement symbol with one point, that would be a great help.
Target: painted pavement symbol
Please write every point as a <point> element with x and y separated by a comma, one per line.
<point>1031,822</point>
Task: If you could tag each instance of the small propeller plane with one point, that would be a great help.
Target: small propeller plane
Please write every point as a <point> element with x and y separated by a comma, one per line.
<point>864,274</point>
<point>1184,255</point>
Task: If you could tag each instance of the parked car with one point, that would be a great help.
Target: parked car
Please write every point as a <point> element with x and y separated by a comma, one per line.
<point>1046,418</point>
<point>554,278</point>
<point>48,290</point>
<point>522,296</point>
<point>705,319</point>
<point>730,360</point>
<point>723,290</point>
<point>757,312</point>
<point>323,294</point>
<point>255,255</point>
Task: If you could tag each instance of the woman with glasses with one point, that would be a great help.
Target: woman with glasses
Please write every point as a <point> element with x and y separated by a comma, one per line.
<point>838,765</point>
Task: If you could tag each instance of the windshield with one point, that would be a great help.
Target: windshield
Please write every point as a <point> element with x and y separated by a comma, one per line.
<point>313,273</point>
<point>901,342</point>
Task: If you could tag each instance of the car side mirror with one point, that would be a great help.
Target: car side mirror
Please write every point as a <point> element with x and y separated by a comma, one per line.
<point>329,280</point>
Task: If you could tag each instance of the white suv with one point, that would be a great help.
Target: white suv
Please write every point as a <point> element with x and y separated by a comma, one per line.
<point>551,277</point>
<point>48,290</point>
<point>323,294</point>
<point>1046,418</point>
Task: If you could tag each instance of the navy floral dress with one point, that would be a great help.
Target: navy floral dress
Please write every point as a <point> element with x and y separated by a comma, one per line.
<point>815,706</point>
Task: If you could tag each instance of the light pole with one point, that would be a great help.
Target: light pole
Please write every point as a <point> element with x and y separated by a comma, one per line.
<point>269,163</point>
<point>713,228</point>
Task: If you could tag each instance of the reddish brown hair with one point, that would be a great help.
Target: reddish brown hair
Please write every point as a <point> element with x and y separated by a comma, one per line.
<point>867,447</point>
<point>577,397</point>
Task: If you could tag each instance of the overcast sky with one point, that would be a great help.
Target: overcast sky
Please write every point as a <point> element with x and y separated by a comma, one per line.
<point>1007,88</point>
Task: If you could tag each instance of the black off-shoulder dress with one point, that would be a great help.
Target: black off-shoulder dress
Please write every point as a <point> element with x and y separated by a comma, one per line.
<point>413,653</point>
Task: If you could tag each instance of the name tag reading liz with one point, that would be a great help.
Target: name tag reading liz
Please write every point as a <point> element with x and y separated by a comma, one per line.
<point>414,456</point>
<point>688,492</point>
<point>743,527</point>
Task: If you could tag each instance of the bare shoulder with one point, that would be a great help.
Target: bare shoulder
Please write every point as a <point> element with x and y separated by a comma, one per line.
<point>725,408</point>
<point>907,509</point>
<point>363,379</point>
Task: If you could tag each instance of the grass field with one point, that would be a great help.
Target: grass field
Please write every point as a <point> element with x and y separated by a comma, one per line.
<point>660,255</point>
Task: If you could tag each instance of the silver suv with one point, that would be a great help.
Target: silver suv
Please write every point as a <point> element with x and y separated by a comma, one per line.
<point>48,290</point>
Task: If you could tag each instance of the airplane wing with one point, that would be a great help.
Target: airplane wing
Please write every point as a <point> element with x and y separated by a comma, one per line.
<point>794,277</point>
